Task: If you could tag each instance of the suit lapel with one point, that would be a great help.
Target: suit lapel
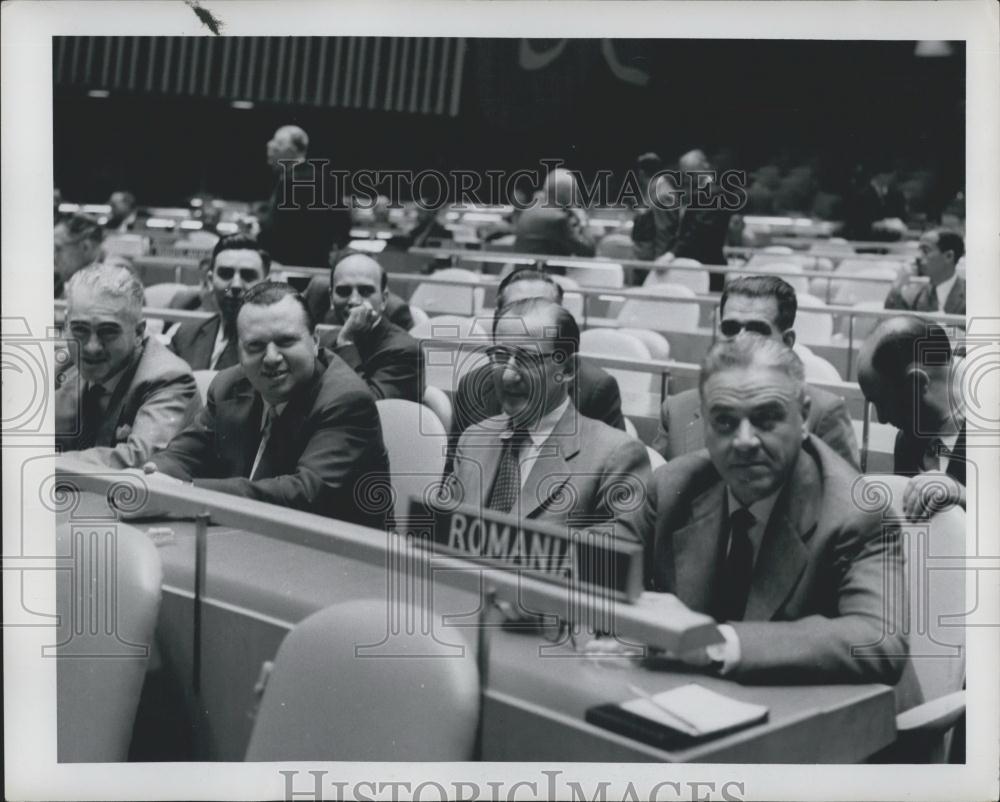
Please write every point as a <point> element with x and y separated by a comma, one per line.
<point>697,549</point>
<point>286,429</point>
<point>238,420</point>
<point>956,461</point>
<point>551,470</point>
<point>204,342</point>
<point>694,433</point>
<point>954,304</point>
<point>106,435</point>
<point>783,555</point>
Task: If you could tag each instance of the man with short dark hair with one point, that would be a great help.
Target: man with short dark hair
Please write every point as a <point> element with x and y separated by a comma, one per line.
<point>382,354</point>
<point>761,532</point>
<point>237,264</point>
<point>908,370</point>
<point>77,243</point>
<point>123,216</point>
<point>763,305</point>
<point>301,222</point>
<point>292,424</point>
<point>940,251</point>
<point>126,395</point>
<point>595,392</point>
<point>539,458</point>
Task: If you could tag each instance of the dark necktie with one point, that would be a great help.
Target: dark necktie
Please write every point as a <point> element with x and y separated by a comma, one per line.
<point>91,414</point>
<point>738,568</point>
<point>931,461</point>
<point>507,485</point>
<point>265,436</point>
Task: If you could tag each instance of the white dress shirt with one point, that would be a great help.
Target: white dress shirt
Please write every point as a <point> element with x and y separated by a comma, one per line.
<point>943,289</point>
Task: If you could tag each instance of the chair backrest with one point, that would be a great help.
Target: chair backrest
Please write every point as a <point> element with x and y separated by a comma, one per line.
<point>99,673</point>
<point>447,298</point>
<point>659,347</point>
<point>630,429</point>
<point>437,400</point>
<point>616,246</point>
<point>598,274</point>
<point>443,327</point>
<point>660,316</point>
<point>863,326</point>
<point>696,280</point>
<point>812,328</point>
<point>203,378</point>
<point>160,295</point>
<point>327,698</point>
<point>419,316</point>
<point>792,272</point>
<point>611,342</point>
<point>130,245</point>
<point>816,368</point>
<point>416,441</point>
<point>848,293</point>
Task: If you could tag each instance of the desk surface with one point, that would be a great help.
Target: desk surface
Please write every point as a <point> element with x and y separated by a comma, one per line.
<point>257,588</point>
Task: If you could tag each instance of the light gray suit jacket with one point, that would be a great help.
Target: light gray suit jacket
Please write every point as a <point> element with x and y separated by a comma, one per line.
<point>587,473</point>
<point>156,397</point>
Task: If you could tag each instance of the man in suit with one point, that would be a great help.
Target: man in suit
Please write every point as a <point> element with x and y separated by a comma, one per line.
<point>381,353</point>
<point>939,253</point>
<point>124,215</point>
<point>238,263</point>
<point>290,425</point>
<point>126,395</point>
<point>300,223</point>
<point>760,531</point>
<point>594,393</point>
<point>763,305</point>
<point>539,458</point>
<point>77,243</point>
<point>909,372</point>
<point>317,297</point>
<point>554,224</point>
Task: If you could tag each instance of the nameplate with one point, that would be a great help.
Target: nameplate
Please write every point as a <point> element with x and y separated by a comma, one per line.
<point>585,557</point>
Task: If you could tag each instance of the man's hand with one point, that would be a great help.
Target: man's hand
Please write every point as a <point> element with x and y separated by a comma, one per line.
<point>929,492</point>
<point>359,321</point>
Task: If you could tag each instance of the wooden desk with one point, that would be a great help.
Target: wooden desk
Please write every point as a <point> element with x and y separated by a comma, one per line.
<point>257,588</point>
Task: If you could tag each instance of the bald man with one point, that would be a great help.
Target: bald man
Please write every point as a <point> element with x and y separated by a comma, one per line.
<point>909,372</point>
<point>302,221</point>
<point>554,225</point>
<point>381,353</point>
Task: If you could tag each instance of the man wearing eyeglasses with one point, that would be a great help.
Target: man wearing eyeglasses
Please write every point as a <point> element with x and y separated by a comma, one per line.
<point>540,458</point>
<point>766,306</point>
<point>126,395</point>
<point>381,353</point>
<point>238,263</point>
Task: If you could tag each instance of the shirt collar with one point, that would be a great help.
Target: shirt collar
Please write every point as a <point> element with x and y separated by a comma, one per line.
<point>111,384</point>
<point>278,409</point>
<point>761,512</point>
<point>540,432</point>
<point>944,289</point>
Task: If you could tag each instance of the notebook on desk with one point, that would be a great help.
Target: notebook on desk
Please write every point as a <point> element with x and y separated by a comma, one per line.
<point>677,718</point>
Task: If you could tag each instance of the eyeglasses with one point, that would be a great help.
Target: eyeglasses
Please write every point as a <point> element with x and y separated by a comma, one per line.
<point>346,290</point>
<point>247,274</point>
<point>505,354</point>
<point>730,327</point>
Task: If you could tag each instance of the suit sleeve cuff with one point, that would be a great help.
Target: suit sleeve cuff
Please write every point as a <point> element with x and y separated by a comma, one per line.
<point>726,653</point>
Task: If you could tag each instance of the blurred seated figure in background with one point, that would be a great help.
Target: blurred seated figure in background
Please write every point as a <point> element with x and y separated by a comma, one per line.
<point>555,224</point>
<point>291,424</point>
<point>124,215</point>
<point>317,296</point>
<point>77,243</point>
<point>126,395</point>
<point>760,532</point>
<point>656,229</point>
<point>875,208</point>
<point>237,264</point>
<point>766,306</point>
<point>937,260</point>
<point>908,370</point>
<point>296,229</point>
<point>428,230</point>
<point>540,451</point>
<point>594,393</point>
<point>381,353</point>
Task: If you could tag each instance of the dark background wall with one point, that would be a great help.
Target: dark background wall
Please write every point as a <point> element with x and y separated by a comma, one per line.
<point>800,108</point>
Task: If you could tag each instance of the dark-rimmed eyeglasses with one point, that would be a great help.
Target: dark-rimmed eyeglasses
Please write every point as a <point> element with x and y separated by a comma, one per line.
<point>346,290</point>
<point>247,274</point>
<point>730,327</point>
<point>506,354</point>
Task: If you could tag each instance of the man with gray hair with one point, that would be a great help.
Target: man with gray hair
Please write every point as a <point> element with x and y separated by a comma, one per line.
<point>760,531</point>
<point>126,395</point>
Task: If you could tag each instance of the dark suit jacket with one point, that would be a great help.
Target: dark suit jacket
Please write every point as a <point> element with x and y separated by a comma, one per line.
<point>866,206</point>
<point>820,581</point>
<point>322,445</point>
<point>297,235</point>
<point>155,398</point>
<point>917,298</point>
<point>595,467</point>
<point>194,342</point>
<point>552,231</point>
<point>317,297</point>
<point>682,431</point>
<point>908,455</point>
<point>388,359</point>
<point>693,233</point>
